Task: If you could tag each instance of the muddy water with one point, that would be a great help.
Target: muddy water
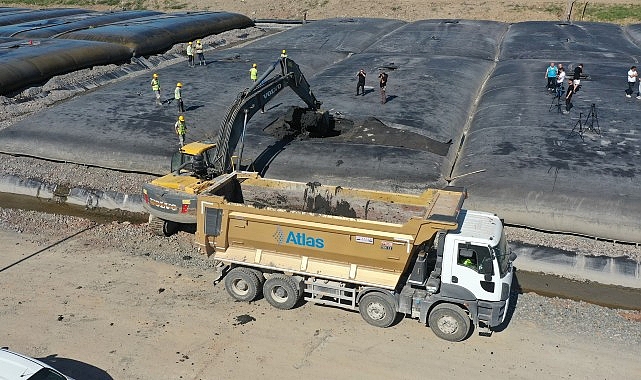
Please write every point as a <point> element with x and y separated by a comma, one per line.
<point>540,283</point>
<point>98,214</point>
<point>613,296</point>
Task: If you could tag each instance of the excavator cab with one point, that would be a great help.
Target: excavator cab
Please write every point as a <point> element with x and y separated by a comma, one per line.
<point>193,159</point>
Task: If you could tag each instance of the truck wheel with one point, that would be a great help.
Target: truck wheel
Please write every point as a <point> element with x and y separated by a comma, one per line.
<point>161,227</point>
<point>242,284</point>
<point>449,322</point>
<point>281,291</point>
<point>377,310</point>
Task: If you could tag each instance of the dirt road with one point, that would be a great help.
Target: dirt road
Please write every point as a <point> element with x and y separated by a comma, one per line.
<point>108,303</point>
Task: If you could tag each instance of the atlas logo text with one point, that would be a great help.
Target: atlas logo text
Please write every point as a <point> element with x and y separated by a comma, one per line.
<point>304,240</point>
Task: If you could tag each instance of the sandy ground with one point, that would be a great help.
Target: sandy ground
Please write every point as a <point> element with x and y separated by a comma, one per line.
<point>410,10</point>
<point>112,314</point>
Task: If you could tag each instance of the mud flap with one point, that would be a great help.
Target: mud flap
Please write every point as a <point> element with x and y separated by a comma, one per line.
<point>221,270</point>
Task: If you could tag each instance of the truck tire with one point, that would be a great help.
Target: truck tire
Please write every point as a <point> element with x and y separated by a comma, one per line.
<point>281,291</point>
<point>242,284</point>
<point>377,309</point>
<point>449,322</point>
<point>161,227</point>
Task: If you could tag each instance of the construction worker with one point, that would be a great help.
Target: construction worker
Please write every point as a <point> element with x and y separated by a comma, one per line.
<point>178,97</point>
<point>181,130</point>
<point>253,73</point>
<point>283,54</point>
<point>190,54</point>
<point>155,86</point>
<point>199,52</point>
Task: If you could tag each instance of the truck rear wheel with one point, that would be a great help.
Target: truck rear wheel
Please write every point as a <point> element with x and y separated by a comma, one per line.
<point>281,291</point>
<point>377,310</point>
<point>449,322</point>
<point>161,227</point>
<point>242,284</point>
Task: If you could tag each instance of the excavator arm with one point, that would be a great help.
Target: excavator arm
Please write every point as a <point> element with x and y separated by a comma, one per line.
<point>248,102</point>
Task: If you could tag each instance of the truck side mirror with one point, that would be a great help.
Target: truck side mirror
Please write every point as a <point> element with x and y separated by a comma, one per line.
<point>488,269</point>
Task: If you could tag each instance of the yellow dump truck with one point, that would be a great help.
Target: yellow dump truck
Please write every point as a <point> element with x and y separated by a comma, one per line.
<point>384,254</point>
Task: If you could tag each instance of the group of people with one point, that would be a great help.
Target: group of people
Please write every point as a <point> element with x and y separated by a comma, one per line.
<point>196,49</point>
<point>556,76</point>
<point>180,126</point>
<point>633,76</point>
<point>382,81</point>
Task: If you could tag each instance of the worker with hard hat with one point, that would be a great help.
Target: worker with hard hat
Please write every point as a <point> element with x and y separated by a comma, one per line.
<point>155,86</point>
<point>199,52</point>
<point>190,54</point>
<point>283,54</point>
<point>178,97</point>
<point>181,130</point>
<point>253,73</point>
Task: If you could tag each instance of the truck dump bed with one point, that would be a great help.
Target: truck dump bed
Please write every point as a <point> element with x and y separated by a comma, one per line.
<point>355,235</point>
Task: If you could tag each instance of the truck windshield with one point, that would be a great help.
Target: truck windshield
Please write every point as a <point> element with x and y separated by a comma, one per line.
<point>502,255</point>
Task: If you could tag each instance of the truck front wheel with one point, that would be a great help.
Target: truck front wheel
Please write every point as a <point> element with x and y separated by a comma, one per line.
<point>281,291</point>
<point>449,322</point>
<point>242,284</point>
<point>377,310</point>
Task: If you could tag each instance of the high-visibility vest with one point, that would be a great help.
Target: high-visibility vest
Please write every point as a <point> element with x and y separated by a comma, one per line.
<point>253,73</point>
<point>181,128</point>
<point>177,93</point>
<point>190,50</point>
<point>199,48</point>
<point>155,84</point>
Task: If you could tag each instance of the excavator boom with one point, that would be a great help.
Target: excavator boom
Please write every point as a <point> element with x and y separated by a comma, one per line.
<point>255,98</point>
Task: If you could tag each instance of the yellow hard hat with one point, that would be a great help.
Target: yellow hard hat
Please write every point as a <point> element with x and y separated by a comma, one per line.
<point>190,42</point>
<point>254,65</point>
<point>179,84</point>
<point>155,75</point>
<point>181,118</point>
<point>198,41</point>
<point>284,51</point>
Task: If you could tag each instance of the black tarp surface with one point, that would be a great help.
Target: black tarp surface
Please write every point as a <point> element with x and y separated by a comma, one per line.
<point>518,156</point>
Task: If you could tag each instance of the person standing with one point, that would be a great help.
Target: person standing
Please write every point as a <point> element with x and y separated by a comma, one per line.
<point>179,98</point>
<point>568,96</point>
<point>199,52</point>
<point>361,82</point>
<point>577,77</point>
<point>560,79</point>
<point>383,84</point>
<point>190,54</point>
<point>253,73</point>
<point>181,130</point>
<point>550,74</point>
<point>155,86</point>
<point>632,80</point>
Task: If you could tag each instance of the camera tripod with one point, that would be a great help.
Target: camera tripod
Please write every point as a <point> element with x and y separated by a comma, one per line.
<point>591,119</point>
<point>556,101</point>
<point>578,128</point>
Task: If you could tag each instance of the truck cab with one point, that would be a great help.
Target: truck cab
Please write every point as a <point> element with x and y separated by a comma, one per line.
<point>478,266</point>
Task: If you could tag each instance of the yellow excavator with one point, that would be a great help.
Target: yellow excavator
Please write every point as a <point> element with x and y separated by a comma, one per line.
<point>171,199</point>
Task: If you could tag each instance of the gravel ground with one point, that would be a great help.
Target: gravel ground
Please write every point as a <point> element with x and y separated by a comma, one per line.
<point>561,316</point>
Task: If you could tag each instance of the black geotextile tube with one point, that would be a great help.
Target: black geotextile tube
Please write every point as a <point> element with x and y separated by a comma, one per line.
<point>24,63</point>
<point>156,35</point>
<point>18,16</point>
<point>54,27</point>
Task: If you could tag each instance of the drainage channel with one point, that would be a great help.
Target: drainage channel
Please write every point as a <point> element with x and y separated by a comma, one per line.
<point>543,284</point>
<point>98,214</point>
